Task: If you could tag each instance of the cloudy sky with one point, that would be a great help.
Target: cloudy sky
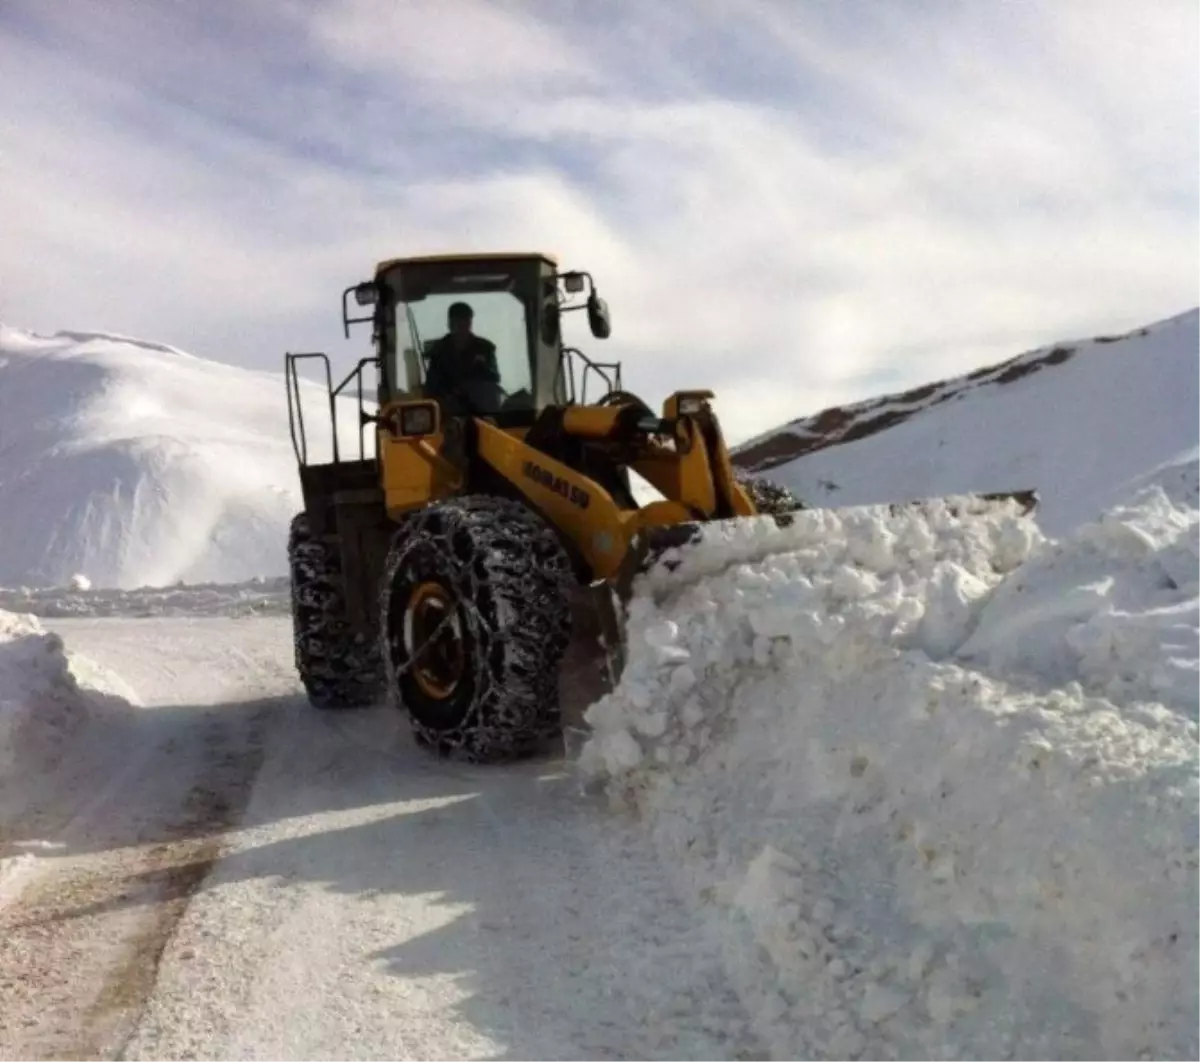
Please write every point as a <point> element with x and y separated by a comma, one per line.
<point>793,202</point>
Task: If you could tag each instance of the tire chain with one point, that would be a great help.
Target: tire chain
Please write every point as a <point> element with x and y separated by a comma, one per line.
<point>339,667</point>
<point>513,578</point>
<point>531,575</point>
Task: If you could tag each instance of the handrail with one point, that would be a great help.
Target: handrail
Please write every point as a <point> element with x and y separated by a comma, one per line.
<point>598,368</point>
<point>296,405</point>
<point>569,354</point>
<point>355,373</point>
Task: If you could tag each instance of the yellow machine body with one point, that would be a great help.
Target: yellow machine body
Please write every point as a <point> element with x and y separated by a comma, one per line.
<point>691,469</point>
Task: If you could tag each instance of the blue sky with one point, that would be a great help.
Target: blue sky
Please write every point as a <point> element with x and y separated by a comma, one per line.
<point>793,202</point>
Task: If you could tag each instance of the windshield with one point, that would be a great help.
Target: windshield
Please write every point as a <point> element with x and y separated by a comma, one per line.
<point>438,364</point>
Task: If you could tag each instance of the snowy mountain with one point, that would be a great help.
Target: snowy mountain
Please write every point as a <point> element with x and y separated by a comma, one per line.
<point>137,464</point>
<point>1081,422</point>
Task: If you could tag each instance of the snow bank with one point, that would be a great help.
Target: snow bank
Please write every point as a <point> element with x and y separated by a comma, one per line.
<point>37,691</point>
<point>46,697</point>
<point>127,464</point>
<point>932,775</point>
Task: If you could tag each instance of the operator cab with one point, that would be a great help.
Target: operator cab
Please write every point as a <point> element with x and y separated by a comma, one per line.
<point>428,346</point>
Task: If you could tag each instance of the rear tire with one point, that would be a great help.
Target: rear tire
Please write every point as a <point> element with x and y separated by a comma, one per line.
<point>338,667</point>
<point>475,618</point>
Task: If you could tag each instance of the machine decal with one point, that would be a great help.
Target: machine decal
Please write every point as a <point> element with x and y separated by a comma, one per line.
<point>544,477</point>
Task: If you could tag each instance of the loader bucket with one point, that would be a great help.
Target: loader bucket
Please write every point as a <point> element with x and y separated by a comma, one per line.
<point>595,658</point>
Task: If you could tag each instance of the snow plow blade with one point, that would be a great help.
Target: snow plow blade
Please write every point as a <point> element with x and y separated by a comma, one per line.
<point>667,559</point>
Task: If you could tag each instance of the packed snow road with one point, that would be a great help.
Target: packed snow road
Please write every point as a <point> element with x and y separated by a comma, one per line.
<point>249,878</point>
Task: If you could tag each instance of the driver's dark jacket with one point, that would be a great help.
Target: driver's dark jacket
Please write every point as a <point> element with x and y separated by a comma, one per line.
<point>449,367</point>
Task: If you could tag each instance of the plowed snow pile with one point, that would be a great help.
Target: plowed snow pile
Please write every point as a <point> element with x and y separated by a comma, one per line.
<point>45,698</point>
<point>933,777</point>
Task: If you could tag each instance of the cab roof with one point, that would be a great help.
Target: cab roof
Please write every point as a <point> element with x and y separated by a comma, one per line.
<point>495,256</point>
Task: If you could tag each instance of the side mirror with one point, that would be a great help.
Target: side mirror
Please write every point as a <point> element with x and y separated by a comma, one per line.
<point>550,323</point>
<point>365,294</point>
<point>598,318</point>
<point>573,282</point>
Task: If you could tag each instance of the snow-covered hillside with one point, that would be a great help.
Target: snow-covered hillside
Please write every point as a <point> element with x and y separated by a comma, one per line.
<point>136,464</point>
<point>1078,421</point>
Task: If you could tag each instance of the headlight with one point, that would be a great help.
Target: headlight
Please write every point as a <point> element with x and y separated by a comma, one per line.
<point>689,407</point>
<point>417,420</point>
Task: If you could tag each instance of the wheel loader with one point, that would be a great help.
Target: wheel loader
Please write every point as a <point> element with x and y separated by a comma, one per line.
<point>447,568</point>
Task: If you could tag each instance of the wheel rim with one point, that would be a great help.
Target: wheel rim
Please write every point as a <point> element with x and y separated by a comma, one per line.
<point>433,641</point>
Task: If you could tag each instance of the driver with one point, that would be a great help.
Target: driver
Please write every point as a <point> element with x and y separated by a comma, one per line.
<point>460,356</point>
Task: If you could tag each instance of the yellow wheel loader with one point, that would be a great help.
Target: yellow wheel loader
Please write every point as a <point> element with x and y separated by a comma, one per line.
<point>447,567</point>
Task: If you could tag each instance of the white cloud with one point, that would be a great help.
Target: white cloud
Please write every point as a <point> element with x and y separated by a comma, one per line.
<point>483,47</point>
<point>792,204</point>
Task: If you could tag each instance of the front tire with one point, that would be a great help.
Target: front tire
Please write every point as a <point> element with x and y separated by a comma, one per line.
<point>475,619</point>
<point>339,667</point>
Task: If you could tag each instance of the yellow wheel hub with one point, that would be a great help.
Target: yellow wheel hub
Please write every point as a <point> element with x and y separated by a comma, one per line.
<point>433,639</point>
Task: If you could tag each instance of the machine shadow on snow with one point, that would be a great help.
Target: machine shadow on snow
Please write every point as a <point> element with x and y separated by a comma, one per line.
<point>542,994</point>
<point>201,763</point>
<point>199,766</point>
<point>148,775</point>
